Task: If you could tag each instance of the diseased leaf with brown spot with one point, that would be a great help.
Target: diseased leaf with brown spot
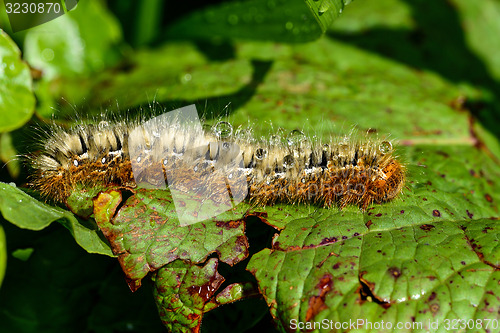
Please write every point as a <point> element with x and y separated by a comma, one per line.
<point>181,292</point>
<point>185,291</point>
<point>317,303</point>
<point>145,233</point>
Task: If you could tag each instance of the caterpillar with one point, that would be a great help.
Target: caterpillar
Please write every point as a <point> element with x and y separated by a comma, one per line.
<point>220,166</point>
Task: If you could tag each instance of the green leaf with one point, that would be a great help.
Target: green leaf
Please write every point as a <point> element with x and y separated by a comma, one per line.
<point>17,102</point>
<point>25,212</point>
<point>80,42</point>
<point>187,80</point>
<point>145,233</point>
<point>481,24</point>
<point>408,274</point>
<point>23,254</point>
<point>69,49</point>
<point>326,11</point>
<point>277,20</point>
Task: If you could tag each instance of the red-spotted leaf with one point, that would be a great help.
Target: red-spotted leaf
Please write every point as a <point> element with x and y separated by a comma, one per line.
<point>145,233</point>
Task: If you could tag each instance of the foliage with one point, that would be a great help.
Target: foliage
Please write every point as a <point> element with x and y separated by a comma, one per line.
<point>425,74</point>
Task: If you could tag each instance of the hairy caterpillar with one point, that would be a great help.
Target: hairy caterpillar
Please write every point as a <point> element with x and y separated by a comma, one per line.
<point>174,149</point>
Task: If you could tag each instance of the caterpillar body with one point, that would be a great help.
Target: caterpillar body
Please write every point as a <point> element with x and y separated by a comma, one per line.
<point>296,169</point>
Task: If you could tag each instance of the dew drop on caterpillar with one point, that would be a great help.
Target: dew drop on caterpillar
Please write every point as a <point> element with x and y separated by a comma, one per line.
<point>221,164</point>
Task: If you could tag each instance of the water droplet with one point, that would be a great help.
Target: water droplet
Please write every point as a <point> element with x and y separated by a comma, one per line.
<point>385,147</point>
<point>225,145</point>
<point>165,161</point>
<point>289,25</point>
<point>103,160</point>
<point>361,151</point>
<point>303,180</point>
<point>288,161</point>
<point>343,149</point>
<point>138,159</point>
<point>103,124</point>
<point>75,163</point>
<point>323,7</point>
<point>296,137</point>
<point>186,78</point>
<point>230,176</point>
<point>326,147</point>
<point>260,153</point>
<point>223,129</point>
<point>195,168</point>
<point>275,140</point>
<point>233,19</point>
<point>20,200</point>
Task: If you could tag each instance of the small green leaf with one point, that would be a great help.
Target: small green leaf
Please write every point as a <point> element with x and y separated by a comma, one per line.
<point>181,292</point>
<point>23,254</point>
<point>232,293</point>
<point>24,211</point>
<point>184,292</point>
<point>80,201</point>
<point>17,102</point>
